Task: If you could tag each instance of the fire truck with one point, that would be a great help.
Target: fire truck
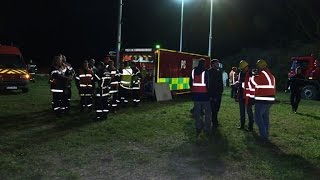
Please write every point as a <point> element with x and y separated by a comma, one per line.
<point>13,70</point>
<point>164,66</point>
<point>307,64</point>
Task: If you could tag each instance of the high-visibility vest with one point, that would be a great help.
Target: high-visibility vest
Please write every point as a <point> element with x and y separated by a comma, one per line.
<point>126,78</point>
<point>198,83</point>
<point>264,85</point>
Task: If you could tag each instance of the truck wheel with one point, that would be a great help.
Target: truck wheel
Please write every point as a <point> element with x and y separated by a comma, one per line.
<point>309,92</point>
<point>25,90</point>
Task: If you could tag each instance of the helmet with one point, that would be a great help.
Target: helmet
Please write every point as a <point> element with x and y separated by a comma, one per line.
<point>261,64</point>
<point>243,64</point>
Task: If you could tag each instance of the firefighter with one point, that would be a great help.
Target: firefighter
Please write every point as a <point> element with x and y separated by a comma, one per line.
<point>85,86</point>
<point>136,77</point>
<point>58,85</point>
<point>265,91</point>
<point>199,81</point>
<point>296,83</point>
<point>114,85</point>
<point>125,83</point>
<point>245,95</point>
<point>32,69</point>
<point>103,77</point>
<point>68,71</point>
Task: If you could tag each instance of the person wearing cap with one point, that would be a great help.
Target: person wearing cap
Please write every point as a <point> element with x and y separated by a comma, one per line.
<point>215,90</point>
<point>232,81</point>
<point>264,84</point>
<point>296,83</point>
<point>199,90</point>
<point>245,95</point>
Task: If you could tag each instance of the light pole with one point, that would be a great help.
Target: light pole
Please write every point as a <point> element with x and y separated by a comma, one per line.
<point>210,31</point>
<point>119,34</point>
<point>181,24</point>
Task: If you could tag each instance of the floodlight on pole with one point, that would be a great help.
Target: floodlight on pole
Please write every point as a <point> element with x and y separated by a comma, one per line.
<point>210,31</point>
<point>181,24</point>
<point>119,34</point>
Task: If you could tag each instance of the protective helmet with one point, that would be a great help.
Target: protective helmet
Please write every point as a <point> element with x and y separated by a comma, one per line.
<point>243,64</point>
<point>261,64</point>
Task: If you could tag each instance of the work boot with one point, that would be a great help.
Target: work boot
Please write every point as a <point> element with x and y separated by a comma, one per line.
<point>240,127</point>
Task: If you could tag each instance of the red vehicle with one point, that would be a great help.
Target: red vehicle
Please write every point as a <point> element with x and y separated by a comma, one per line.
<point>164,66</point>
<point>307,64</point>
<point>13,70</point>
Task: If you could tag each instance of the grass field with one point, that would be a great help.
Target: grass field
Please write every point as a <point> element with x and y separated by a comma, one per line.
<point>152,141</point>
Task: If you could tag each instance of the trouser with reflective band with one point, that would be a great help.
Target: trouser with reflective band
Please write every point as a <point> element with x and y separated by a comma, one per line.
<point>136,92</point>
<point>124,94</point>
<point>114,101</point>
<point>67,98</point>
<point>86,98</point>
<point>101,106</point>
<point>57,100</point>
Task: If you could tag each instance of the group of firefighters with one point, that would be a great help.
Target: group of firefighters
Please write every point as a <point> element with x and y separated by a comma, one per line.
<point>253,89</point>
<point>101,86</point>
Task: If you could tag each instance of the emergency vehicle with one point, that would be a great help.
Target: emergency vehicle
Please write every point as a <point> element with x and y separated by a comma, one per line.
<point>164,66</point>
<point>306,63</point>
<point>13,70</point>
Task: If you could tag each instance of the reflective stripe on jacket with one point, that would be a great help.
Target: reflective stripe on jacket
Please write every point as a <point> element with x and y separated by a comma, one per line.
<point>198,83</point>
<point>264,85</point>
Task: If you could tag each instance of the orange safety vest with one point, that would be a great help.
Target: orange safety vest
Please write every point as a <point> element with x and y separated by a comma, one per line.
<point>265,86</point>
<point>199,85</point>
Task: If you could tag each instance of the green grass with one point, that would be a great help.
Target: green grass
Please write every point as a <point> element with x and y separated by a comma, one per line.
<point>153,141</point>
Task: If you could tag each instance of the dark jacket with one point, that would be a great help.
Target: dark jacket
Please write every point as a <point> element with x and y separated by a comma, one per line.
<point>199,96</point>
<point>296,83</point>
<point>215,83</point>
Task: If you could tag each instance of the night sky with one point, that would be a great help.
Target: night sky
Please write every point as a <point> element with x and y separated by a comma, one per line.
<point>88,29</point>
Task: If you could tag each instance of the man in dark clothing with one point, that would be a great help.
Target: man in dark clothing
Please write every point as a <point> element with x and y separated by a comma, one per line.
<point>199,88</point>
<point>296,83</point>
<point>215,90</point>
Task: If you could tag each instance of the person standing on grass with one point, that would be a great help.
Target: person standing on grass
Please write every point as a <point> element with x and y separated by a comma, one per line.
<point>57,85</point>
<point>296,83</point>
<point>245,95</point>
<point>215,90</point>
<point>199,89</point>
<point>232,81</point>
<point>264,84</point>
<point>84,81</point>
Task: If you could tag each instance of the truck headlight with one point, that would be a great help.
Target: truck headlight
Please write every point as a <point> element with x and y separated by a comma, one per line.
<point>25,76</point>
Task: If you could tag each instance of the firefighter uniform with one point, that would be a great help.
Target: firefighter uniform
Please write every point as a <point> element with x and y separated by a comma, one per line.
<point>114,87</point>
<point>32,69</point>
<point>68,72</point>
<point>264,85</point>
<point>85,86</point>
<point>57,86</point>
<point>136,76</point>
<point>102,106</point>
<point>125,84</point>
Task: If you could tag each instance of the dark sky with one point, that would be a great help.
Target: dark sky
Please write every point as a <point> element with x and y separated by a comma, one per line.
<point>83,29</point>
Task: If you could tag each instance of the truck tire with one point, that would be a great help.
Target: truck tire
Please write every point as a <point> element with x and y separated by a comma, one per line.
<point>310,92</point>
<point>25,90</point>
